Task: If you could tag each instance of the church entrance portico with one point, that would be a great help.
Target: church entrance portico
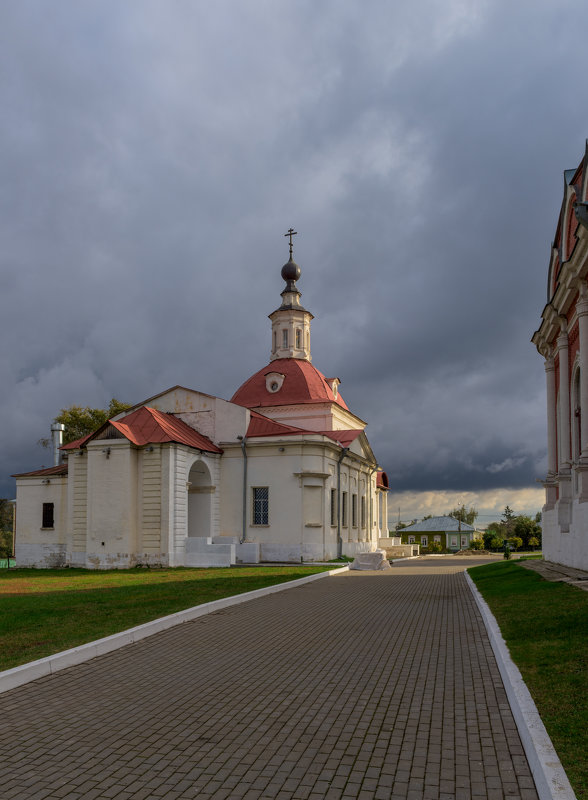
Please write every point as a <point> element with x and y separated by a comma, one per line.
<point>200,493</point>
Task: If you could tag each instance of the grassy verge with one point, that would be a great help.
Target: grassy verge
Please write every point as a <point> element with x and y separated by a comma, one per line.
<point>545,626</point>
<point>46,611</point>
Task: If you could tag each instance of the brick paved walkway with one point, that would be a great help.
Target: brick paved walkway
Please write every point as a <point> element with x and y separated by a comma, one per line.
<point>356,686</point>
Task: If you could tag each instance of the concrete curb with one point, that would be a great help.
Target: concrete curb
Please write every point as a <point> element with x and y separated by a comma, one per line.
<point>550,778</point>
<point>17,676</point>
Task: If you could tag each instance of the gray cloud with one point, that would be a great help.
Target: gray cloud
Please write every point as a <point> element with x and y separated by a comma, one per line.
<point>153,154</point>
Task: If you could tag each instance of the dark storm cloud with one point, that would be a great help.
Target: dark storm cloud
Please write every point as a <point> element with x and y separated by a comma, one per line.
<point>153,154</point>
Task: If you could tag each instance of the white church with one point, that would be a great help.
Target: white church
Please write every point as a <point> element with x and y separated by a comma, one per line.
<point>283,472</point>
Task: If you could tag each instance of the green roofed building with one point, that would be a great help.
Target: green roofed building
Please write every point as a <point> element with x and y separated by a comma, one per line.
<point>452,534</point>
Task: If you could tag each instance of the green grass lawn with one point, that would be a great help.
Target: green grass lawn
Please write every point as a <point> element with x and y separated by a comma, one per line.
<point>46,611</point>
<point>545,626</point>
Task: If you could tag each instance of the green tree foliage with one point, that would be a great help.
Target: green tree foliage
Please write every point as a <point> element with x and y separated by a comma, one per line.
<point>519,526</point>
<point>526,528</point>
<point>6,515</point>
<point>80,421</point>
<point>477,544</point>
<point>463,514</point>
<point>508,514</point>
<point>533,542</point>
<point>515,542</point>
<point>435,547</point>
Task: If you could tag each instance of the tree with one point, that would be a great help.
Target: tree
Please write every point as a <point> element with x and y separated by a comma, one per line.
<point>508,514</point>
<point>463,514</point>
<point>526,528</point>
<point>477,544</point>
<point>401,525</point>
<point>6,515</point>
<point>435,547</point>
<point>515,542</point>
<point>508,518</point>
<point>80,421</point>
<point>533,542</point>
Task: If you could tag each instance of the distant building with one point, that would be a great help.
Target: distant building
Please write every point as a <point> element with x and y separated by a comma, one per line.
<point>282,472</point>
<point>562,340</point>
<point>449,532</point>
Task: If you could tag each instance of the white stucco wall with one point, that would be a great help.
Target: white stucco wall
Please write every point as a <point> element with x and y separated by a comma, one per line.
<point>569,548</point>
<point>36,546</point>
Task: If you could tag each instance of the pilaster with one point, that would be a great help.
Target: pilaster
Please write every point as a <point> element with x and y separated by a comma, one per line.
<point>582,312</point>
<point>564,459</point>
<point>551,418</point>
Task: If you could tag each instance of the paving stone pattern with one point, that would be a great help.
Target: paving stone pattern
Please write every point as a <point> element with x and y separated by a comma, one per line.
<point>355,686</point>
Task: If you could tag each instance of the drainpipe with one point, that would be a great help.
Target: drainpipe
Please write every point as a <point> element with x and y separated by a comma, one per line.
<point>242,440</point>
<point>344,451</point>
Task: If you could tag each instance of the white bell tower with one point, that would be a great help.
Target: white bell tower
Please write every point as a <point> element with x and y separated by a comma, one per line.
<point>291,321</point>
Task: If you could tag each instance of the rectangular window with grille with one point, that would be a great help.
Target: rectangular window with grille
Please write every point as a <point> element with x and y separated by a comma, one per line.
<point>48,519</point>
<point>285,337</point>
<point>298,338</point>
<point>261,505</point>
<point>344,509</point>
<point>354,510</point>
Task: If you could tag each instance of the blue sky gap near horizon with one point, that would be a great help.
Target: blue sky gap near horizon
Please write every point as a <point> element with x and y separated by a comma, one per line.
<point>154,154</point>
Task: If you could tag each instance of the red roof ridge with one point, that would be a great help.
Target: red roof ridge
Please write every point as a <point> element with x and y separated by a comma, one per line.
<point>59,469</point>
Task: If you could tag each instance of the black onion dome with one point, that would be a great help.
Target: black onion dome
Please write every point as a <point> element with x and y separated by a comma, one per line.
<point>291,271</point>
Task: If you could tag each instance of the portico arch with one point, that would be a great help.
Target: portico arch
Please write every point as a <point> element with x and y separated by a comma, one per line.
<point>200,491</point>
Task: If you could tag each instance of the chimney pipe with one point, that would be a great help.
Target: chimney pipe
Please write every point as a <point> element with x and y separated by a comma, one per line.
<point>57,436</point>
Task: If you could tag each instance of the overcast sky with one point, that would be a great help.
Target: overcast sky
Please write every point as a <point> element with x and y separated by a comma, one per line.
<point>152,154</point>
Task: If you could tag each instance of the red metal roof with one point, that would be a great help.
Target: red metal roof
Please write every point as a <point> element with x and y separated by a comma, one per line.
<point>343,437</point>
<point>60,469</point>
<point>262,426</point>
<point>303,383</point>
<point>77,443</point>
<point>149,426</point>
<point>381,479</point>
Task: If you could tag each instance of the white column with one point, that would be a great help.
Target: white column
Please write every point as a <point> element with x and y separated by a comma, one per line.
<point>564,403</point>
<point>551,417</point>
<point>582,311</point>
